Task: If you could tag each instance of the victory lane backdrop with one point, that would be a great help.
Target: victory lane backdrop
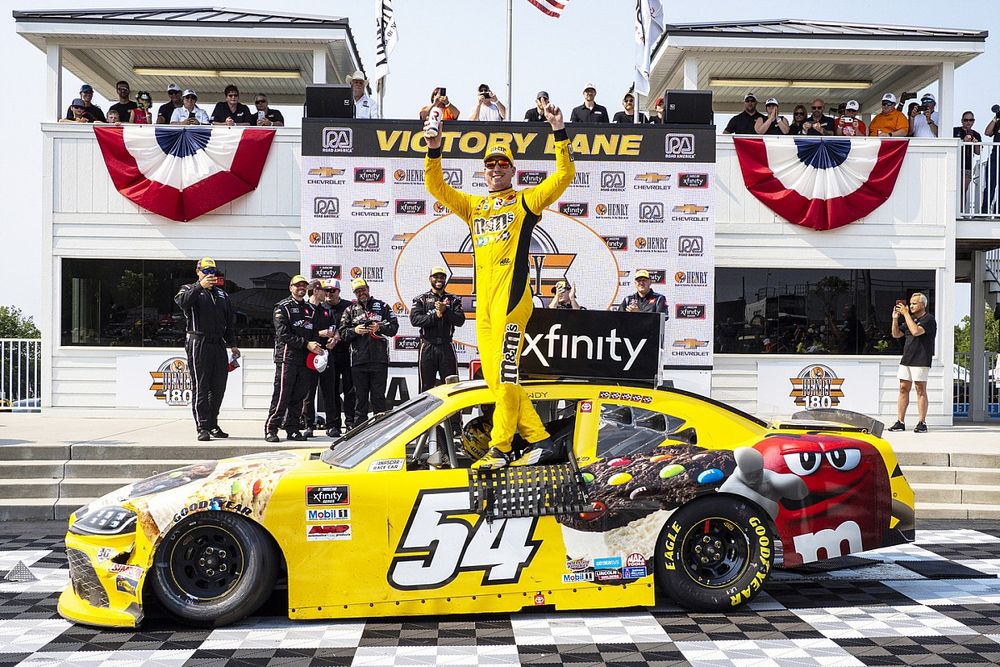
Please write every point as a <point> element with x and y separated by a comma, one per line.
<point>643,198</point>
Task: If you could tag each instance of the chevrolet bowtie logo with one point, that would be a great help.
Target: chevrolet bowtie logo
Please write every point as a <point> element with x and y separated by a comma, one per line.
<point>652,177</point>
<point>690,343</point>
<point>402,237</point>
<point>690,209</point>
<point>326,172</point>
<point>369,203</point>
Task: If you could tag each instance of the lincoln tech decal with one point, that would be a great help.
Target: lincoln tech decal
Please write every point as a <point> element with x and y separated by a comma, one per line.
<point>172,382</point>
<point>817,386</point>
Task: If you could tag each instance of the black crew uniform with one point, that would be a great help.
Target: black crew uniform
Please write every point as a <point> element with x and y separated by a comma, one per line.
<point>339,372</point>
<point>292,333</point>
<point>651,303</point>
<point>437,356</point>
<point>743,123</point>
<point>582,114</point>
<point>209,315</point>
<point>369,353</point>
<point>532,115</point>
<point>242,114</point>
<point>323,318</point>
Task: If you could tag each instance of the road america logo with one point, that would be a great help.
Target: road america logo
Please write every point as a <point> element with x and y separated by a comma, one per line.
<point>690,246</point>
<point>612,181</point>
<point>651,212</point>
<point>326,207</point>
<point>452,177</point>
<point>366,241</point>
<point>337,140</point>
<point>817,386</point>
<point>679,146</point>
<point>172,382</point>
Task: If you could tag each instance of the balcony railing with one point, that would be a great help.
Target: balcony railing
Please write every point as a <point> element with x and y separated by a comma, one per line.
<point>979,181</point>
<point>20,374</point>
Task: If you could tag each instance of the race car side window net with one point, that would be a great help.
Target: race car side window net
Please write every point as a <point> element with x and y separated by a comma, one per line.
<point>525,491</point>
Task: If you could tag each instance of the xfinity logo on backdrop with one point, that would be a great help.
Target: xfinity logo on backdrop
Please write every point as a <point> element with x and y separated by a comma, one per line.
<point>545,346</point>
<point>369,175</point>
<point>690,311</point>
<point>338,140</point>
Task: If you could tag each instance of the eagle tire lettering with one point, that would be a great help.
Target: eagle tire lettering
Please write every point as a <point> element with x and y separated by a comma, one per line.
<point>440,541</point>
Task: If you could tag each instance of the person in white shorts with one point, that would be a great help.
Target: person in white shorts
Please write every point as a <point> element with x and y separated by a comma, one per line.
<point>918,327</point>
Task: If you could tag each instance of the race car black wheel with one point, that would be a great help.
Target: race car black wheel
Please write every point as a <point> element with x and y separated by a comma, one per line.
<point>214,569</point>
<point>714,553</point>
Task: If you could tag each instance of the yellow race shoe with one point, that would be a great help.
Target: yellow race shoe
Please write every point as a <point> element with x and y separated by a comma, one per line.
<point>494,459</point>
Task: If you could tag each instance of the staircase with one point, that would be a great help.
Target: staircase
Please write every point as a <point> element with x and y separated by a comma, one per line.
<point>957,485</point>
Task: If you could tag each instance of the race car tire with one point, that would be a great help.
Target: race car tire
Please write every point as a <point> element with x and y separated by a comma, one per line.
<point>214,569</point>
<point>715,553</point>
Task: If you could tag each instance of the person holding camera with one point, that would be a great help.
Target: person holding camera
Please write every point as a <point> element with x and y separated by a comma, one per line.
<point>890,122</point>
<point>849,125</point>
<point>189,113</point>
<point>644,300</point>
<point>266,116</point>
<point>367,325</point>
<point>990,203</point>
<point>488,107</point>
<point>818,123</point>
<point>772,123</point>
<point>436,313</point>
<point>925,122</point>
<point>565,297</point>
<point>918,328</point>
<point>439,98</point>
<point>209,316</point>
<point>974,147</point>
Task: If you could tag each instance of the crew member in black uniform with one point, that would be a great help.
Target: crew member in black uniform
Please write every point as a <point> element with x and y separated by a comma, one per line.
<point>209,316</point>
<point>645,300</point>
<point>436,313</point>
<point>293,340</point>
<point>367,325</point>
<point>324,329</point>
<point>339,368</point>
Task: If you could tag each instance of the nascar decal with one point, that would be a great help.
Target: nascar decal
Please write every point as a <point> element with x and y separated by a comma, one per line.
<point>183,172</point>
<point>820,182</point>
<point>443,538</point>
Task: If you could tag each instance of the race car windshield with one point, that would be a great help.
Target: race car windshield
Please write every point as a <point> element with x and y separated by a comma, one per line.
<point>364,441</point>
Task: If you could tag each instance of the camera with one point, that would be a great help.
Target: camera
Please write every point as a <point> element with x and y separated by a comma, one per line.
<point>996,109</point>
<point>922,108</point>
<point>442,92</point>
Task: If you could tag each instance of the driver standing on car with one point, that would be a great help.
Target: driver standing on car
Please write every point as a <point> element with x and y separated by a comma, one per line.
<point>501,224</point>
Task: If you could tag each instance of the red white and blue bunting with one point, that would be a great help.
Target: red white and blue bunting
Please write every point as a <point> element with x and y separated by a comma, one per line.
<point>820,182</point>
<point>183,172</point>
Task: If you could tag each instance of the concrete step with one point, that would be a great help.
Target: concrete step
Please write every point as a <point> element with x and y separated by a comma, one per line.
<point>30,469</point>
<point>911,459</point>
<point>91,487</point>
<point>966,494</point>
<point>189,453</point>
<point>33,452</point>
<point>13,489</point>
<point>121,468</point>
<point>956,511</point>
<point>949,475</point>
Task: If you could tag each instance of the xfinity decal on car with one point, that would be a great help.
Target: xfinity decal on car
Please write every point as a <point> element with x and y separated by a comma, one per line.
<point>582,347</point>
<point>328,495</point>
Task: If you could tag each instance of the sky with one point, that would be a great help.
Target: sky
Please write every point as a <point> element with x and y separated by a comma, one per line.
<point>455,43</point>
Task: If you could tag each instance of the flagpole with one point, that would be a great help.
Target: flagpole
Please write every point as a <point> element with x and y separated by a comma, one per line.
<point>510,53</point>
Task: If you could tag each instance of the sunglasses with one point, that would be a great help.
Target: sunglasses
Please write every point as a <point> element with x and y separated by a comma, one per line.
<point>968,120</point>
<point>817,108</point>
<point>233,95</point>
<point>887,104</point>
<point>210,271</point>
<point>799,113</point>
<point>173,92</point>
<point>260,101</point>
<point>492,163</point>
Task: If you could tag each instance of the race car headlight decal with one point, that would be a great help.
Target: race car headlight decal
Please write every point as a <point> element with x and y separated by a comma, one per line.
<point>105,521</point>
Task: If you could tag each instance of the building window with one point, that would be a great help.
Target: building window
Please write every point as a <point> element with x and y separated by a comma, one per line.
<point>812,311</point>
<point>115,302</point>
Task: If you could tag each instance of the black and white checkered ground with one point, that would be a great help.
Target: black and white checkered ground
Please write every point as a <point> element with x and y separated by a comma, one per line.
<point>933,602</point>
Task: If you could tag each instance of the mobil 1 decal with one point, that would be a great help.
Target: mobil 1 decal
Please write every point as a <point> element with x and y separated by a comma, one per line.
<point>641,198</point>
<point>442,538</point>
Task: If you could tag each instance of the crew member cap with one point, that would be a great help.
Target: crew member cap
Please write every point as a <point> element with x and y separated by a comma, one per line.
<point>770,101</point>
<point>590,86</point>
<point>190,93</point>
<point>436,270</point>
<point>173,88</point>
<point>749,96</point>
<point>296,279</point>
<point>206,263</point>
<point>852,105</point>
<point>928,97</point>
<point>358,283</point>
<point>315,284</point>
<point>642,273</point>
<point>542,93</point>
<point>86,88</point>
<point>331,284</point>
<point>889,97</point>
<point>77,103</point>
<point>499,150</point>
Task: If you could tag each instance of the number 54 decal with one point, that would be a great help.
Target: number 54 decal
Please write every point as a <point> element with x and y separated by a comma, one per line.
<point>438,543</point>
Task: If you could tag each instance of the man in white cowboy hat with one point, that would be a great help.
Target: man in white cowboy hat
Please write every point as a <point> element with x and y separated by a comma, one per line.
<point>364,106</point>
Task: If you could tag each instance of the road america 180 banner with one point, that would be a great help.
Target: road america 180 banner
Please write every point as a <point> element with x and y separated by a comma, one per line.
<point>642,198</point>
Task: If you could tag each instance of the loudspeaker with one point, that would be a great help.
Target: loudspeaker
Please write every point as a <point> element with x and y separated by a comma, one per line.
<point>687,107</point>
<point>331,100</point>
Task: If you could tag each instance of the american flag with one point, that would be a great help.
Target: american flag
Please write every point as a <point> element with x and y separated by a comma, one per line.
<point>553,8</point>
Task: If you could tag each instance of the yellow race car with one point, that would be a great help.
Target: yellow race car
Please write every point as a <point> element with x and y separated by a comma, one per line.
<point>655,488</point>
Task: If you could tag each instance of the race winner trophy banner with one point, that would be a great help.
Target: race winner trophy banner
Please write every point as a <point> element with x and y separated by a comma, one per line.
<point>643,198</point>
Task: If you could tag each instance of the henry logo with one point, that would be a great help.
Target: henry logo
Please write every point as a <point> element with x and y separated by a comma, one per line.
<point>326,207</point>
<point>690,246</point>
<point>328,495</point>
<point>651,211</point>
<point>453,177</point>
<point>575,209</point>
<point>325,271</point>
<point>337,140</point>
<point>326,176</point>
<point>411,206</point>
<point>611,211</point>
<point>690,311</point>
<point>369,208</point>
<point>616,242</point>
<point>679,146</point>
<point>172,382</point>
<point>369,174</point>
<point>581,180</point>
<point>531,177</point>
<point>691,278</point>
<point>371,274</point>
<point>612,181</point>
<point>692,180</point>
<point>440,209</point>
<point>651,180</point>
<point>817,386</point>
<point>406,342</point>
<point>652,244</point>
<point>365,241</point>
<point>326,240</point>
<point>408,176</point>
<point>399,308</point>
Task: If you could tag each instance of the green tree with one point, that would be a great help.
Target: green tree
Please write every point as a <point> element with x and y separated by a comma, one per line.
<point>15,325</point>
<point>963,331</point>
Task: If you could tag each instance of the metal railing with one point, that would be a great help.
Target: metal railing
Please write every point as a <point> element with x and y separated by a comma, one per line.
<point>979,181</point>
<point>962,389</point>
<point>20,374</point>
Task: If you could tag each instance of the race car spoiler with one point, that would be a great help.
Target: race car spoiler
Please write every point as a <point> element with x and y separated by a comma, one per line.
<point>833,419</point>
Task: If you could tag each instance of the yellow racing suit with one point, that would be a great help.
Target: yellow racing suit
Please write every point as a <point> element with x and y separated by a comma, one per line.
<point>501,224</point>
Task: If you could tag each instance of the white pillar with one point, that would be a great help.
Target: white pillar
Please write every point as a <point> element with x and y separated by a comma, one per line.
<point>319,66</point>
<point>690,73</point>
<point>53,81</point>
<point>977,336</point>
<point>946,98</point>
